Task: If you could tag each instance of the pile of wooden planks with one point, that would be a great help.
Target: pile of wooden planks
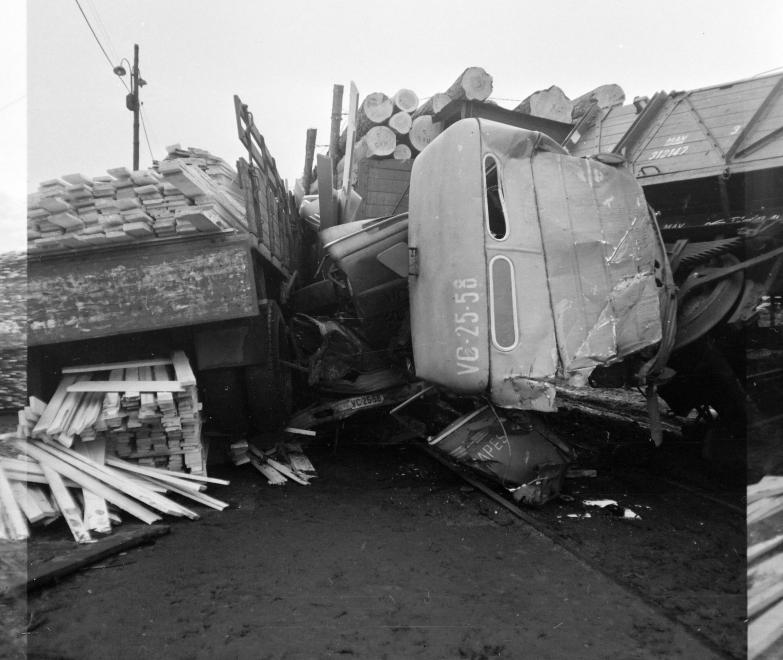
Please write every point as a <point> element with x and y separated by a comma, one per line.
<point>146,411</point>
<point>765,567</point>
<point>46,480</point>
<point>284,462</point>
<point>191,191</point>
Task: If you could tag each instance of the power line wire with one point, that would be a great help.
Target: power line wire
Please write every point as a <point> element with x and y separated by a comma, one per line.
<point>98,41</point>
<point>146,137</point>
<point>106,32</point>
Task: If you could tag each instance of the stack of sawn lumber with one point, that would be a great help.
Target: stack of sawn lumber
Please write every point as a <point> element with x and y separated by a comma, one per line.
<point>189,192</point>
<point>146,411</point>
<point>46,479</point>
<point>765,567</point>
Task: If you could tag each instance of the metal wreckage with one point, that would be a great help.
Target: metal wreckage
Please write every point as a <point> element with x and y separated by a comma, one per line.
<point>517,269</point>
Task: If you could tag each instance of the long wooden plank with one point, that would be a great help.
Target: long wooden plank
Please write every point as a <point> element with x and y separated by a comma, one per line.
<point>759,549</point>
<point>182,369</point>
<point>96,513</point>
<point>51,463</point>
<point>80,369</point>
<point>127,386</point>
<point>115,481</point>
<point>55,569</point>
<point>201,498</point>
<point>764,631</point>
<point>29,506</point>
<point>11,512</point>
<point>67,506</point>
<point>152,472</point>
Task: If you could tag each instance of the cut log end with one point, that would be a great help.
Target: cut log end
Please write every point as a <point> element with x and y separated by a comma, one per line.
<point>380,141</point>
<point>423,131</point>
<point>406,100</point>
<point>400,123</point>
<point>402,152</point>
<point>377,107</point>
<point>475,84</point>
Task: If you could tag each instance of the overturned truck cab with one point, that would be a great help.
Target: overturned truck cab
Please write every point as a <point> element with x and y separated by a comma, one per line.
<point>529,267</point>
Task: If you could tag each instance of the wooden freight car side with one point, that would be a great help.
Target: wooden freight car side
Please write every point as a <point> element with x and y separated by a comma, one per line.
<point>133,289</point>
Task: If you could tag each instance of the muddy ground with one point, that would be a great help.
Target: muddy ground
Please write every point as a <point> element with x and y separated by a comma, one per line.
<point>388,554</point>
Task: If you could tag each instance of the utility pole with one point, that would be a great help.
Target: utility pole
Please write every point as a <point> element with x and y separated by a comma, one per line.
<point>132,98</point>
<point>135,92</point>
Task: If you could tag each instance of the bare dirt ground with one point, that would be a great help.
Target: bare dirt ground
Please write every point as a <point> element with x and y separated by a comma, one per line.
<point>389,555</point>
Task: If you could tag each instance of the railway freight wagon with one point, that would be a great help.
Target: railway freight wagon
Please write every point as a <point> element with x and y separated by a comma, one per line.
<point>710,162</point>
<point>189,255</point>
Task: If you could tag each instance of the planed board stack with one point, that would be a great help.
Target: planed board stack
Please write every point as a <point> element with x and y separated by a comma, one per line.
<point>145,411</point>
<point>41,480</point>
<point>189,192</point>
<point>765,567</point>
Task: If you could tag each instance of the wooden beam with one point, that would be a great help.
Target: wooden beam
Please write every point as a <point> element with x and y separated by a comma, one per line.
<point>55,569</point>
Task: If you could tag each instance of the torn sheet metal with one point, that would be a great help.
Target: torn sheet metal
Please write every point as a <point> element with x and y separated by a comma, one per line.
<point>522,454</point>
<point>533,267</point>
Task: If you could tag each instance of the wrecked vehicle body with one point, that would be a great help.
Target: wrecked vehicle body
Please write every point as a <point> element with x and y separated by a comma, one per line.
<point>517,267</point>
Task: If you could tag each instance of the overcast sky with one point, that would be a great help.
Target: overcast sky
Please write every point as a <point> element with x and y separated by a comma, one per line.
<point>282,58</point>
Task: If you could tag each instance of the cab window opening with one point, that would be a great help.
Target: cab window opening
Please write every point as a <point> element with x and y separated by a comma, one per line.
<point>496,214</point>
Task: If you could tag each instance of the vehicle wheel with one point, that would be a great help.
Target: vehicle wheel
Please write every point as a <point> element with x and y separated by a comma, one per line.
<point>269,386</point>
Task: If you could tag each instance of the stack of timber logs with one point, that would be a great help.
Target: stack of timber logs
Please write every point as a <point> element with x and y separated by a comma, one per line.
<point>398,127</point>
<point>765,567</point>
<point>190,191</point>
<point>42,479</point>
<point>145,411</point>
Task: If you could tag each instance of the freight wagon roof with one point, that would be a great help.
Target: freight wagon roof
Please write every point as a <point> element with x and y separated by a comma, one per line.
<point>733,127</point>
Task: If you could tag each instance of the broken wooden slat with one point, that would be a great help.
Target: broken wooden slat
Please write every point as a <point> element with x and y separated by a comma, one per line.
<point>54,405</point>
<point>274,478</point>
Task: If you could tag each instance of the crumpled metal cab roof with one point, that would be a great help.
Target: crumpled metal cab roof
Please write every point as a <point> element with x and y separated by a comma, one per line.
<point>563,282</point>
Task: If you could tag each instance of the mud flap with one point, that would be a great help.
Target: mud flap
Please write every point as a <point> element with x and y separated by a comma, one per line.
<point>517,450</point>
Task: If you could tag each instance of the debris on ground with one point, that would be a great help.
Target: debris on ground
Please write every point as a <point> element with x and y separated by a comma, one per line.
<point>286,461</point>
<point>520,451</point>
<point>106,437</point>
<point>765,565</point>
